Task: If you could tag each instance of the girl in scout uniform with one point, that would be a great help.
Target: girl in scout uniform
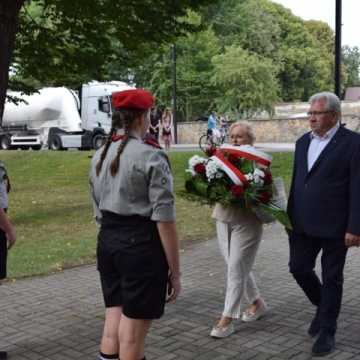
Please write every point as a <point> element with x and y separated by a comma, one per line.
<point>137,253</point>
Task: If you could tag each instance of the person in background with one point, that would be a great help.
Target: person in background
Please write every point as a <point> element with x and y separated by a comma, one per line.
<point>166,128</point>
<point>7,230</point>
<point>239,234</point>
<point>211,124</point>
<point>223,123</point>
<point>324,210</point>
<point>154,129</point>
<point>137,253</point>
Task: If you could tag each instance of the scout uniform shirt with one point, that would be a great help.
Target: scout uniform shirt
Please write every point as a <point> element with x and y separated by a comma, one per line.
<point>142,186</point>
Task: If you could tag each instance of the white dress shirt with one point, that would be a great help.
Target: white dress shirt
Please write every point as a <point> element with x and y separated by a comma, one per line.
<point>318,144</point>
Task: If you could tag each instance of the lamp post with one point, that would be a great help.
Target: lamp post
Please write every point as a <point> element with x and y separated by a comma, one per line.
<point>338,48</point>
<point>173,57</point>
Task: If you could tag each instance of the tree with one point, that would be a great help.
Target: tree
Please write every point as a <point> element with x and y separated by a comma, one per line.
<point>9,10</point>
<point>195,50</point>
<point>302,51</point>
<point>69,41</point>
<point>305,58</point>
<point>323,33</point>
<point>194,69</point>
<point>247,82</point>
<point>351,60</point>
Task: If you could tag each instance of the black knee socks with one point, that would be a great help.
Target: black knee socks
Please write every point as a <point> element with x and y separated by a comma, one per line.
<point>108,357</point>
<point>114,356</point>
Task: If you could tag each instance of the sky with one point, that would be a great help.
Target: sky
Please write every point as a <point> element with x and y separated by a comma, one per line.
<point>325,10</point>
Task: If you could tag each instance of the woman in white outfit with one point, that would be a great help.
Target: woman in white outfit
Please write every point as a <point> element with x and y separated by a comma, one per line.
<point>239,234</point>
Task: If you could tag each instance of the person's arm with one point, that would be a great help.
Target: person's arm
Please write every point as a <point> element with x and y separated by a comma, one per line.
<point>8,228</point>
<point>95,202</point>
<point>352,236</point>
<point>289,208</point>
<point>170,243</point>
<point>161,196</point>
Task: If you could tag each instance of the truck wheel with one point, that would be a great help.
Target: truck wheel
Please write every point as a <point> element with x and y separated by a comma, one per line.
<point>98,141</point>
<point>55,143</point>
<point>5,142</point>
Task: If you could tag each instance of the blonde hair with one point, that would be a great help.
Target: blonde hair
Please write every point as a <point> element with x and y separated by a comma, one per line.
<point>247,127</point>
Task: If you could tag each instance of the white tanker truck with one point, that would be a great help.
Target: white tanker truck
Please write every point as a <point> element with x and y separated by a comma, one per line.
<point>60,118</point>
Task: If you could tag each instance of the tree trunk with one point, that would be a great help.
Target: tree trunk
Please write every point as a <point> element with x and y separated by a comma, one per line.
<point>9,12</point>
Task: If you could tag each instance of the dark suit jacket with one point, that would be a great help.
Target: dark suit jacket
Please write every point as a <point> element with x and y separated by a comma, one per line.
<point>325,201</point>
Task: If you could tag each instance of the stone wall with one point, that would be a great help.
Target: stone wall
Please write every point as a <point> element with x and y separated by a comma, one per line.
<point>290,123</point>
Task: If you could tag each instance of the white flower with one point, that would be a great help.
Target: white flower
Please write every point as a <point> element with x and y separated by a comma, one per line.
<point>249,177</point>
<point>258,172</point>
<point>193,161</point>
<point>219,175</point>
<point>211,170</point>
<point>258,180</point>
<point>196,159</point>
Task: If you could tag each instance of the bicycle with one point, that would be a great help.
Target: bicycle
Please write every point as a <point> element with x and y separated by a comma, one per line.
<point>214,140</point>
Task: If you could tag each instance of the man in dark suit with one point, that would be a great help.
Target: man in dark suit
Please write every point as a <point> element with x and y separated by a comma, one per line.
<point>324,208</point>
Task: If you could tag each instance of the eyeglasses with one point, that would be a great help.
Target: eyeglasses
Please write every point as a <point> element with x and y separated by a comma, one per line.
<point>317,113</point>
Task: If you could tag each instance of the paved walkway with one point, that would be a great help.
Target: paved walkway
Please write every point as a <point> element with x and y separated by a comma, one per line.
<point>60,317</point>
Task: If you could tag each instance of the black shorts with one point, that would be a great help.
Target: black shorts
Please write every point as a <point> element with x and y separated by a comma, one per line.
<point>132,265</point>
<point>3,254</point>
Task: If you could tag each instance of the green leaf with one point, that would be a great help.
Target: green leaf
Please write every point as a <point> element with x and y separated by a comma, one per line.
<point>279,214</point>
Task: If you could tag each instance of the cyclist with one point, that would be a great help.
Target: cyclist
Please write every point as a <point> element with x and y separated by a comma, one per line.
<point>212,131</point>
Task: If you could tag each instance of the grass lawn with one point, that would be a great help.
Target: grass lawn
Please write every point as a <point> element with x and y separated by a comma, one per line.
<point>50,206</point>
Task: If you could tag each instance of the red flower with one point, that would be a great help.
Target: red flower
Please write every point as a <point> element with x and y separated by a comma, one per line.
<point>200,168</point>
<point>267,178</point>
<point>233,159</point>
<point>210,151</point>
<point>237,190</point>
<point>264,197</point>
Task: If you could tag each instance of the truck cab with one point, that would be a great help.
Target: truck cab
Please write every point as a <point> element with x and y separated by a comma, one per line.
<point>60,118</point>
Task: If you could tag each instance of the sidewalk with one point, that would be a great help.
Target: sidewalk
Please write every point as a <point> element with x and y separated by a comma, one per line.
<point>60,317</point>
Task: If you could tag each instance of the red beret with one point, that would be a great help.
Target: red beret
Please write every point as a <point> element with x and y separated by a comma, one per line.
<point>139,99</point>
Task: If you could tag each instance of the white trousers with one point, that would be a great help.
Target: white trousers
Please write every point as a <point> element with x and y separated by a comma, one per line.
<point>239,245</point>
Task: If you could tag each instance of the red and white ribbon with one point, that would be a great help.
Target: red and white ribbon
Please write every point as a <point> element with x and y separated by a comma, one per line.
<point>248,152</point>
<point>237,177</point>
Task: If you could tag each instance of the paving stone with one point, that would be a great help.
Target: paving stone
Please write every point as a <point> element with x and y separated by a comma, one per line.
<point>60,316</point>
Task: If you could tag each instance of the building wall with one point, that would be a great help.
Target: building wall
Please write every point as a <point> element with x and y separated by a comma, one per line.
<point>286,127</point>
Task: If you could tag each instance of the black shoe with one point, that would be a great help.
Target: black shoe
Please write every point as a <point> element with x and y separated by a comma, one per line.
<point>3,355</point>
<point>325,344</point>
<point>314,327</point>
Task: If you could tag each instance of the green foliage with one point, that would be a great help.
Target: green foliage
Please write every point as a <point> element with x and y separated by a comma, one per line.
<point>250,25</point>
<point>247,82</point>
<point>193,70</point>
<point>304,73</point>
<point>67,43</point>
<point>323,33</point>
<point>351,59</point>
<point>278,57</point>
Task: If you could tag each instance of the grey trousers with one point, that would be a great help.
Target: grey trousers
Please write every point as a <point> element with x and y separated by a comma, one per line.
<point>239,244</point>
